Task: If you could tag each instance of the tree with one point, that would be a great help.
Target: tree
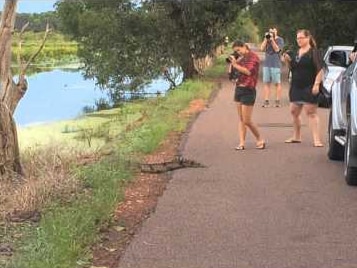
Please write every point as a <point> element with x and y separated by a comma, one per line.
<point>11,93</point>
<point>330,21</point>
<point>119,42</point>
<point>124,45</point>
<point>244,29</point>
<point>194,29</point>
<point>38,21</point>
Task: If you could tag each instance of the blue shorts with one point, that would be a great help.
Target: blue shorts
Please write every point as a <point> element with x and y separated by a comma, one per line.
<point>271,75</point>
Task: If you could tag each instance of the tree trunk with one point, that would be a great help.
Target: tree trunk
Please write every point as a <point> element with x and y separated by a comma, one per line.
<point>9,149</point>
<point>188,68</point>
<point>10,95</point>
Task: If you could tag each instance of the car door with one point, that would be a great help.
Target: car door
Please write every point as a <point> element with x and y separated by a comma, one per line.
<point>349,87</point>
<point>345,83</point>
<point>335,60</point>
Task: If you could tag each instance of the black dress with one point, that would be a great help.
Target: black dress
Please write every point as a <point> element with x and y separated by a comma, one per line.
<point>303,73</point>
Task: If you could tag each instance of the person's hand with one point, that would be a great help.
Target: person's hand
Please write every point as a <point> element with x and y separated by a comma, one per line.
<point>233,60</point>
<point>286,57</point>
<point>353,56</point>
<point>316,89</point>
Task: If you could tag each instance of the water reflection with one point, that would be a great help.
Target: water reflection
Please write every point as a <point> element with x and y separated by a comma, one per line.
<point>62,94</point>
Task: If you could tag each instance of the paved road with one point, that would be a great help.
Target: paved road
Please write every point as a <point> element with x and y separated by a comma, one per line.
<point>284,207</point>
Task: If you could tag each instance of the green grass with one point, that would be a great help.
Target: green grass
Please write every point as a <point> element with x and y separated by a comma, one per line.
<point>66,231</point>
<point>56,49</point>
<point>68,227</point>
<point>218,69</point>
<point>99,127</point>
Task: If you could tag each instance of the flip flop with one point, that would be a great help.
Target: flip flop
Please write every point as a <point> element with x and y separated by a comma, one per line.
<point>318,145</point>
<point>260,146</point>
<point>291,140</point>
<point>240,148</point>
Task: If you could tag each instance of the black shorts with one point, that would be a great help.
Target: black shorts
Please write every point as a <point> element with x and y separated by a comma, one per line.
<point>245,95</point>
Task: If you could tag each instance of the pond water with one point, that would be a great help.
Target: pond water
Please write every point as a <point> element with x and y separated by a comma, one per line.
<point>62,94</point>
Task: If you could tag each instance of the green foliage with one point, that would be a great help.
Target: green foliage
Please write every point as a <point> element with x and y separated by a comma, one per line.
<point>244,29</point>
<point>37,21</point>
<point>123,46</point>
<point>219,67</point>
<point>57,47</point>
<point>66,231</point>
<point>118,45</point>
<point>194,29</point>
<point>330,21</point>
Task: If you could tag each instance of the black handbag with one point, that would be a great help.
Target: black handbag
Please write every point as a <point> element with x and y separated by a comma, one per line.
<point>323,100</point>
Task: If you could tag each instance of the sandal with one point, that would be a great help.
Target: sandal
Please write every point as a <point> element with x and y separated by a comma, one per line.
<point>292,140</point>
<point>318,144</point>
<point>260,145</point>
<point>240,148</point>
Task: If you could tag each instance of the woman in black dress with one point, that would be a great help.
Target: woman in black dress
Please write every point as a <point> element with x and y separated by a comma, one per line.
<point>306,70</point>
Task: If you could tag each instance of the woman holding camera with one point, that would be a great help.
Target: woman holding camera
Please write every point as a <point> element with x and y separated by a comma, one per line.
<point>306,71</point>
<point>245,93</point>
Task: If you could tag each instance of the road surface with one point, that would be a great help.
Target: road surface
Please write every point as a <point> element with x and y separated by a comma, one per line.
<point>284,207</point>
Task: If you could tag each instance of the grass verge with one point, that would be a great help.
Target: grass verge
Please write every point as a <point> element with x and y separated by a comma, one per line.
<point>69,223</point>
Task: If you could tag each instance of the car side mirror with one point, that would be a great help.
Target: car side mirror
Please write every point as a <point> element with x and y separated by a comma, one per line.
<point>338,58</point>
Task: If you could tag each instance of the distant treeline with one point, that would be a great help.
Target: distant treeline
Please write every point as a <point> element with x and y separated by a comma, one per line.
<point>38,21</point>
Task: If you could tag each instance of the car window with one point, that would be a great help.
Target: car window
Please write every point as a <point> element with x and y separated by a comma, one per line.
<point>338,58</point>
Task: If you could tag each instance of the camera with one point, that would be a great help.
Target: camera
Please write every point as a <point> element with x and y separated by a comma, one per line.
<point>234,54</point>
<point>268,35</point>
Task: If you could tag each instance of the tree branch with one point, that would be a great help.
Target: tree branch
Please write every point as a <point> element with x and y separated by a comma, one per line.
<point>19,59</point>
<point>23,70</point>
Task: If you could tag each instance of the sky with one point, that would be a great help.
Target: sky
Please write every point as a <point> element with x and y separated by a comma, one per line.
<point>32,6</point>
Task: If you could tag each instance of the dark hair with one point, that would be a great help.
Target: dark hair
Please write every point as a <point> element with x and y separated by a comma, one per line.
<point>239,43</point>
<point>307,33</point>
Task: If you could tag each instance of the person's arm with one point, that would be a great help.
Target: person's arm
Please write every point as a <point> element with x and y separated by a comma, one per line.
<point>241,68</point>
<point>281,43</point>
<point>287,59</point>
<point>274,45</point>
<point>263,46</point>
<point>318,81</point>
<point>318,62</point>
<point>229,68</point>
<point>248,67</point>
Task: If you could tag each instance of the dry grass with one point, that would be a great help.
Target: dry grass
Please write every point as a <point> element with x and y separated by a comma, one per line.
<point>49,174</point>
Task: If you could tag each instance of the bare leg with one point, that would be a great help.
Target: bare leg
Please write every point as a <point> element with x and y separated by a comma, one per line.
<point>247,112</point>
<point>242,129</point>
<point>266,94</point>
<point>266,91</point>
<point>278,91</point>
<point>314,122</point>
<point>295,111</point>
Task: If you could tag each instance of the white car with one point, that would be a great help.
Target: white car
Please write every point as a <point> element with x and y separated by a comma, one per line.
<point>341,81</point>
<point>336,61</point>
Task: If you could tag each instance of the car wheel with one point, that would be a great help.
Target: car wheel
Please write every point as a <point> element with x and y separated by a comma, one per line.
<point>335,150</point>
<point>350,172</point>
